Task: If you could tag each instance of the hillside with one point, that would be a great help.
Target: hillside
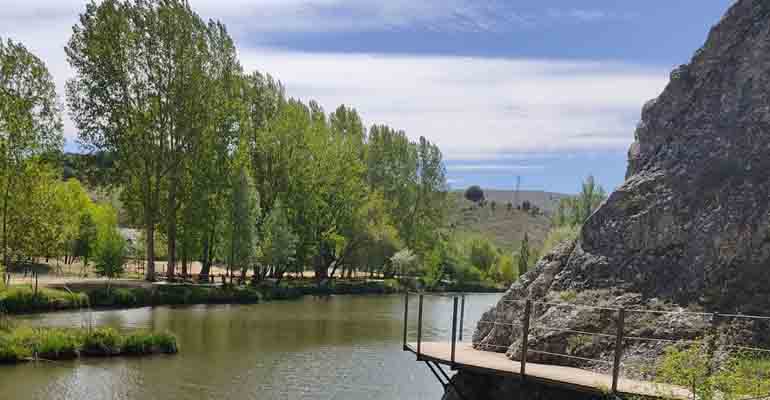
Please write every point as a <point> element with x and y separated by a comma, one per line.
<point>504,228</point>
<point>546,201</point>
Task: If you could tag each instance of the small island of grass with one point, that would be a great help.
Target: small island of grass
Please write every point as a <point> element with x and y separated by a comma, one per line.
<point>21,344</point>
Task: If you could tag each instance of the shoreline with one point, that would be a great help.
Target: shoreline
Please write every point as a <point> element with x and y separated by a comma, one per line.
<point>22,300</point>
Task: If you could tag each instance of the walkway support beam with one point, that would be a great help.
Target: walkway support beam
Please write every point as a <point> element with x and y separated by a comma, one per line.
<point>618,348</point>
<point>419,325</point>
<point>462,315</point>
<point>406,317</point>
<point>454,330</point>
<point>525,337</point>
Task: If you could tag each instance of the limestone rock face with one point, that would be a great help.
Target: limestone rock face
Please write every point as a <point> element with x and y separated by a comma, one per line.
<point>691,224</point>
<point>689,228</point>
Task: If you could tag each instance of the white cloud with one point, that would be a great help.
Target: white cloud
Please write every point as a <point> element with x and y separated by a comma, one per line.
<point>471,107</point>
<point>491,168</point>
<point>476,106</point>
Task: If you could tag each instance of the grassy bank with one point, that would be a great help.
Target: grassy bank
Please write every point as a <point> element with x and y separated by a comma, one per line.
<point>28,344</point>
<point>23,299</point>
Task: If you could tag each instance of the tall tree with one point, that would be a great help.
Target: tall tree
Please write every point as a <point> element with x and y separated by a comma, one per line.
<point>138,92</point>
<point>279,242</point>
<point>244,213</point>
<point>524,255</point>
<point>30,123</point>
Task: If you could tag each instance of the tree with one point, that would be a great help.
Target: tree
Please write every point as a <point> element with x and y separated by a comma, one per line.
<point>505,269</point>
<point>483,255</point>
<point>524,255</point>
<point>141,91</point>
<point>86,241</point>
<point>244,213</point>
<point>575,210</point>
<point>404,262</point>
<point>30,123</point>
<point>474,194</point>
<point>279,242</point>
<point>111,256</point>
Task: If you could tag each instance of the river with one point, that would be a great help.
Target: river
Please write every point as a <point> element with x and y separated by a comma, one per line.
<point>337,347</point>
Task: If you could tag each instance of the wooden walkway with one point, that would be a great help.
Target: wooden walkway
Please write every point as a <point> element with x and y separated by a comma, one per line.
<point>466,357</point>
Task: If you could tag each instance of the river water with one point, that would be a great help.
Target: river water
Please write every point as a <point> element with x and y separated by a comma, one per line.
<point>336,347</point>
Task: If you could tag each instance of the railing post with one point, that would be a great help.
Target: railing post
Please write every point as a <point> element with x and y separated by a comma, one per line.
<point>525,337</point>
<point>419,326</point>
<point>462,315</point>
<point>454,330</point>
<point>406,316</point>
<point>618,348</point>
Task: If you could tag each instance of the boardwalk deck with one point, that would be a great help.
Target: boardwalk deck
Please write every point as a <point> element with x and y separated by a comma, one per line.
<point>466,357</point>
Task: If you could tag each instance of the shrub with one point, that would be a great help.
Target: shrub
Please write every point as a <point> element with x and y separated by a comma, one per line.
<point>23,299</point>
<point>559,235</point>
<point>149,343</point>
<point>738,375</point>
<point>11,350</point>
<point>56,344</point>
<point>102,342</point>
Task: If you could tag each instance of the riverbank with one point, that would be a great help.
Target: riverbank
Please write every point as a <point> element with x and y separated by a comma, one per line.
<point>129,294</point>
<point>21,344</point>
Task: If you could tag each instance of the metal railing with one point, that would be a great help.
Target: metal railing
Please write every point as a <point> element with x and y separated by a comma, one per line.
<point>619,336</point>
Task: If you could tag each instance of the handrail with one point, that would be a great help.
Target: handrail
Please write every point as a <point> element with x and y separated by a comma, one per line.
<point>621,338</point>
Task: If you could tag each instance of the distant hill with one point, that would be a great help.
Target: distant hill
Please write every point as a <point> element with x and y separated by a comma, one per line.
<point>504,228</point>
<point>546,201</point>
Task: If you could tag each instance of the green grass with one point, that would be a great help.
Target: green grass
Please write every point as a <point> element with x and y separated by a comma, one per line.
<point>102,342</point>
<point>23,344</point>
<point>21,299</point>
<point>148,343</point>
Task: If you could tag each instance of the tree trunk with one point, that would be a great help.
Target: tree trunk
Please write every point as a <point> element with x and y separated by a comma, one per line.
<point>184,262</point>
<point>150,233</point>
<point>208,245</point>
<point>171,230</point>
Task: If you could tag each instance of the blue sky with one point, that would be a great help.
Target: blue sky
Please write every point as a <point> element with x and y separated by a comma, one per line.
<point>548,90</point>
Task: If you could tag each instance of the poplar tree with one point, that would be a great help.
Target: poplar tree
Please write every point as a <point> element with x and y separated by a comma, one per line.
<point>30,122</point>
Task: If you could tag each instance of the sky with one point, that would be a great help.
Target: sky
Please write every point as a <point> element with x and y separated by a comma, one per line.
<point>548,90</point>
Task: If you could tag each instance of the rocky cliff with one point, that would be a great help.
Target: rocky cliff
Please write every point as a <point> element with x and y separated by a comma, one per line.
<point>689,228</point>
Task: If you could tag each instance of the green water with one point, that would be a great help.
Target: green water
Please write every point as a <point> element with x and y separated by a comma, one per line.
<point>338,347</point>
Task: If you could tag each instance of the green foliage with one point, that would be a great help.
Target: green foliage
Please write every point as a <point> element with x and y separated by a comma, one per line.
<point>22,344</point>
<point>568,296</point>
<point>506,270</point>
<point>244,213</point>
<point>30,125</point>
<point>573,211</point>
<point>736,376</point>
<point>474,193</point>
<point>111,256</point>
<point>23,299</point>
<point>405,262</point>
<point>279,244</point>
<point>149,343</point>
<point>483,255</point>
<point>558,235</point>
<point>101,342</point>
<point>523,256</point>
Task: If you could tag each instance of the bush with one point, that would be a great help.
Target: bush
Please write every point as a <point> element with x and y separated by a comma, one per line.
<point>23,299</point>
<point>56,344</point>
<point>559,235</point>
<point>25,343</point>
<point>149,343</point>
<point>738,375</point>
<point>11,350</point>
<point>102,342</point>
